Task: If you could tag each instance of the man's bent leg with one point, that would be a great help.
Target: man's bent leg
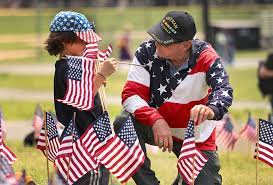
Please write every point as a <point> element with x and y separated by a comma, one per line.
<point>144,176</point>
<point>210,172</point>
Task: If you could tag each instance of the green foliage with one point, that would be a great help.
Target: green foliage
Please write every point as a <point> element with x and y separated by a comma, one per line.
<point>244,83</point>
<point>30,159</point>
<point>12,46</point>
<point>31,21</point>
<point>237,168</point>
<point>22,110</point>
<point>27,82</point>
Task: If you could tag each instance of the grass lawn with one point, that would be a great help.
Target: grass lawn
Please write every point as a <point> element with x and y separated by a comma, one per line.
<point>238,77</point>
<point>106,18</point>
<point>24,110</point>
<point>237,168</point>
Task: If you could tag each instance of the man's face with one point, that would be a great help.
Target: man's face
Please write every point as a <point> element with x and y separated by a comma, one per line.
<point>171,51</point>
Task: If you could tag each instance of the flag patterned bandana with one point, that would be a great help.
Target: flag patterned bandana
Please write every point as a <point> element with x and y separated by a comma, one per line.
<point>76,22</point>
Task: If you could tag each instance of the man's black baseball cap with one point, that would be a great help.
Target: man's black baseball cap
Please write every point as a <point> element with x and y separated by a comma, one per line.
<point>176,26</point>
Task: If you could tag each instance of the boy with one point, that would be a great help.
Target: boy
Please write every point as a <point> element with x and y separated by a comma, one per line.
<point>70,33</point>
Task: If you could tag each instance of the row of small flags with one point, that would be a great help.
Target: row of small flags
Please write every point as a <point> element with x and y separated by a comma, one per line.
<point>99,144</point>
<point>75,155</point>
<point>226,137</point>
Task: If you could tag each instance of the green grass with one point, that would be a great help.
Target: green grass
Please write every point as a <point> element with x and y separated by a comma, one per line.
<point>251,54</point>
<point>107,18</point>
<point>241,115</point>
<point>244,83</point>
<point>15,46</point>
<point>237,168</point>
<point>26,82</point>
<point>24,110</point>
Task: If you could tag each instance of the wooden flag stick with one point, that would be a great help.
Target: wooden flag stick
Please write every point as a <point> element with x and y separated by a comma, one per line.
<point>193,169</point>
<point>101,91</point>
<point>125,63</point>
<point>131,64</point>
<point>46,143</point>
<point>69,162</point>
<point>257,151</point>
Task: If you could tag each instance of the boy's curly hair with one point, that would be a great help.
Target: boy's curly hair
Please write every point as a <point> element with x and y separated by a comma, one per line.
<point>55,41</point>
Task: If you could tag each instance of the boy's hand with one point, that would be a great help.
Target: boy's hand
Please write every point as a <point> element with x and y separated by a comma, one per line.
<point>108,67</point>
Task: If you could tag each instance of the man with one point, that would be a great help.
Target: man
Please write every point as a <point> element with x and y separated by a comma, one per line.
<point>266,77</point>
<point>182,79</point>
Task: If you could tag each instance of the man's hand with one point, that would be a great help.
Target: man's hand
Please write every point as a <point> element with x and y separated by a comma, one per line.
<point>200,113</point>
<point>162,135</point>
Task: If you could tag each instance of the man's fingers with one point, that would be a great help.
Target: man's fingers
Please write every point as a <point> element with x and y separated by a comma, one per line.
<point>156,139</point>
<point>202,115</point>
<point>170,144</point>
<point>165,144</point>
<point>195,113</point>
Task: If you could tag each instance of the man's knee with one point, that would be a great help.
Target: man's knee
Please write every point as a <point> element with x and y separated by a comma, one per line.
<point>120,119</point>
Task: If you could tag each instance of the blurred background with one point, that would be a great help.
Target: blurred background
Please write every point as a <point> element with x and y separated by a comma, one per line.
<point>240,30</point>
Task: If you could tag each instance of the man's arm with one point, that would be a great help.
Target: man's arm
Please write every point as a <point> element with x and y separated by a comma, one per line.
<point>265,73</point>
<point>135,98</point>
<point>221,95</point>
<point>136,95</point>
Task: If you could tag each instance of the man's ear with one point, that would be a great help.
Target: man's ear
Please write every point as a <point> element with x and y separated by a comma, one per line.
<point>187,44</point>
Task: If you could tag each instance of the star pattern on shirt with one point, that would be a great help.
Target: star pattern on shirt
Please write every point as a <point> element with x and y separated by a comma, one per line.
<point>148,44</point>
<point>155,56</point>
<point>139,49</point>
<point>217,77</point>
<point>150,64</point>
<point>162,89</point>
<point>179,81</point>
<point>213,74</point>
<point>219,80</point>
<point>163,83</point>
<point>225,93</point>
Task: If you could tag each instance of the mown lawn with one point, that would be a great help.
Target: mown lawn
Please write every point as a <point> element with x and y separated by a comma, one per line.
<point>237,168</point>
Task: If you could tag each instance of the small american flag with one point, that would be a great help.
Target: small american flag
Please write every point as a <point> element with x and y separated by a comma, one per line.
<point>249,131</point>
<point>52,138</point>
<point>7,176</point>
<point>73,159</point>
<point>191,160</point>
<point>97,134</point>
<point>5,151</point>
<point>122,155</point>
<point>265,149</point>
<point>69,136</point>
<point>79,92</point>
<point>92,51</point>
<point>227,137</point>
<point>37,121</point>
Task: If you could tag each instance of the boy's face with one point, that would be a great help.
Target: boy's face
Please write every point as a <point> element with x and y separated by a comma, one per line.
<point>74,49</point>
